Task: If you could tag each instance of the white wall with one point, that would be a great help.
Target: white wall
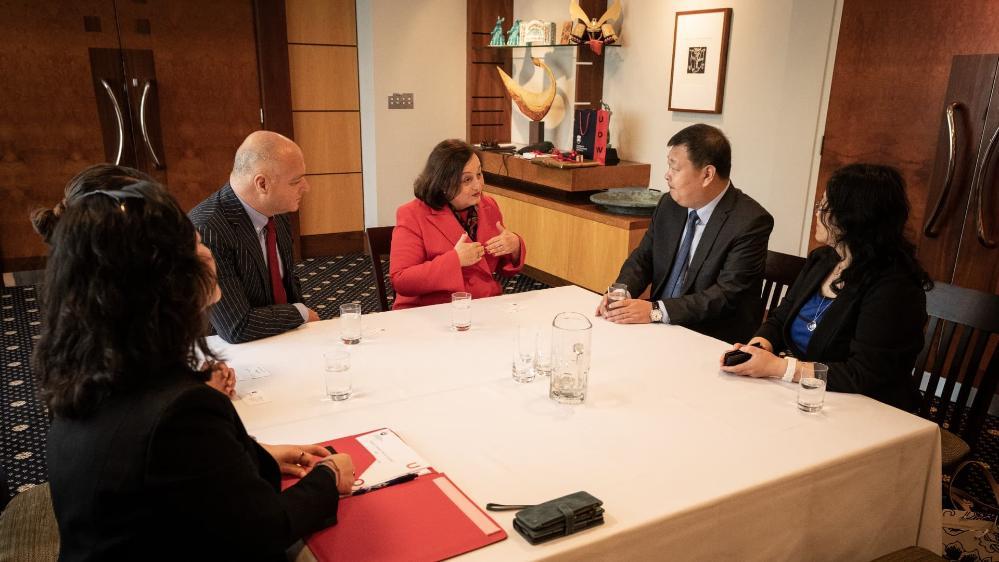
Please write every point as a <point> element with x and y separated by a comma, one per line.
<point>415,46</point>
<point>780,60</point>
<point>773,108</point>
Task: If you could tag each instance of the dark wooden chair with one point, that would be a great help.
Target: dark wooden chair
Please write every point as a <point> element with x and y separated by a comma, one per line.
<point>961,322</point>
<point>781,271</point>
<point>378,243</point>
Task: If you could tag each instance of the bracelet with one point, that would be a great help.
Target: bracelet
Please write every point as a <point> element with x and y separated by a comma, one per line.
<point>792,366</point>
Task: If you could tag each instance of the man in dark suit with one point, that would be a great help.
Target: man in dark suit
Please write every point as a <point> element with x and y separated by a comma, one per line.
<point>705,250</point>
<point>245,226</point>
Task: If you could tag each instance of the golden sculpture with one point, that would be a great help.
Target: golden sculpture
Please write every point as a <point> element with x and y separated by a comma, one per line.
<point>534,105</point>
<point>599,32</point>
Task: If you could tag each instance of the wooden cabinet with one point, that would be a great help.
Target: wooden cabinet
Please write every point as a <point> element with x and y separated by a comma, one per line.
<point>567,236</point>
<point>169,87</point>
<point>959,243</point>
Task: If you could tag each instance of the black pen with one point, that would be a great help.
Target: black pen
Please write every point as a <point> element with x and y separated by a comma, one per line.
<point>397,480</point>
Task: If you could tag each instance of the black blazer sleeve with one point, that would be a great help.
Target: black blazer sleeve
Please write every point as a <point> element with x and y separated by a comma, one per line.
<point>200,455</point>
<point>233,317</point>
<point>887,337</point>
<point>637,270</point>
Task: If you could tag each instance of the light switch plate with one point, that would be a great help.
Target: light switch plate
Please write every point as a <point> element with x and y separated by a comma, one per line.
<point>400,101</point>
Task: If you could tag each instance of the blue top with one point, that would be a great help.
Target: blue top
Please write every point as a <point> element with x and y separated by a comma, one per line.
<point>813,310</point>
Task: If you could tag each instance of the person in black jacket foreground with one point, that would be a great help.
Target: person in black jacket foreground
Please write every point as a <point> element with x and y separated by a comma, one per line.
<point>859,303</point>
<point>145,460</point>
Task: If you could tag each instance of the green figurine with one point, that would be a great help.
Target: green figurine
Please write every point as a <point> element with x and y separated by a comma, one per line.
<point>496,39</point>
<point>513,36</point>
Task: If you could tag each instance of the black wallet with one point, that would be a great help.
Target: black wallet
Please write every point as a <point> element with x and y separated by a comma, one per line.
<point>559,517</point>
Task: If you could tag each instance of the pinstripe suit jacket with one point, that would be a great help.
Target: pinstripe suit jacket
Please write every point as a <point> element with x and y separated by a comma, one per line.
<point>246,311</point>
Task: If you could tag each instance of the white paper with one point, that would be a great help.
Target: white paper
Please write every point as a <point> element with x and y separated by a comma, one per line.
<point>393,458</point>
<point>250,372</point>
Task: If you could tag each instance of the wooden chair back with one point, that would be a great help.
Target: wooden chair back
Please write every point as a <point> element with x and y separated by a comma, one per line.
<point>378,243</point>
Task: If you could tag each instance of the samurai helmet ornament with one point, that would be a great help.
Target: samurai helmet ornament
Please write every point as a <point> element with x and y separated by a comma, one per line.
<point>598,32</point>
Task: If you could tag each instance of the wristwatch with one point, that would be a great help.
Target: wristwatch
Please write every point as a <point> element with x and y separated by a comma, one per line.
<point>655,315</point>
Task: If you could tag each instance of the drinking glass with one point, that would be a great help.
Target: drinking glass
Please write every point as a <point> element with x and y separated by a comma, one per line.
<point>617,292</point>
<point>570,358</point>
<point>543,353</point>
<point>350,323</point>
<point>524,347</point>
<point>337,375</point>
<point>812,388</point>
<point>461,311</point>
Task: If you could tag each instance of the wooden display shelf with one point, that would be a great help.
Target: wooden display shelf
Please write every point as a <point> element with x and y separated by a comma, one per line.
<point>515,170</point>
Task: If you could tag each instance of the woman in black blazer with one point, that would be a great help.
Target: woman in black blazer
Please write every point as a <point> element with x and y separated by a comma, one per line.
<point>859,303</point>
<point>146,461</point>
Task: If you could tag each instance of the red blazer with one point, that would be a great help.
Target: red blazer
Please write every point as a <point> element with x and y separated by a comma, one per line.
<point>424,266</point>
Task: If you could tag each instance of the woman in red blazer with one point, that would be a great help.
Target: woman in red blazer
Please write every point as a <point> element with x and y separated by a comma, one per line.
<point>450,238</point>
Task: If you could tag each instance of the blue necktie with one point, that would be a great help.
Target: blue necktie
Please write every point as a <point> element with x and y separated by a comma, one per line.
<point>679,271</point>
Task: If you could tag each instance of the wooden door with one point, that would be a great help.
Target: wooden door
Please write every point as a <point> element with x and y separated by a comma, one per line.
<point>956,168</point>
<point>196,63</point>
<point>889,87</point>
<point>49,125</point>
<point>977,256</point>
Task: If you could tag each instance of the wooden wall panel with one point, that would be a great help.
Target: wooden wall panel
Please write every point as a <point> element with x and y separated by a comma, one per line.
<point>335,203</point>
<point>331,141</point>
<point>326,22</point>
<point>323,78</point>
<point>481,80</point>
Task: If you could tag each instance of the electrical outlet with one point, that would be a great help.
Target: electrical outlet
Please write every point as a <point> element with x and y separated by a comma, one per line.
<point>400,101</point>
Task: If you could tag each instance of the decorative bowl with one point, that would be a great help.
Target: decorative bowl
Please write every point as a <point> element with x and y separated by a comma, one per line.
<point>628,201</point>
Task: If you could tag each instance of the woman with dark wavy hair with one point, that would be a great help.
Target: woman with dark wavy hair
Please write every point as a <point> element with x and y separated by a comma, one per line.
<point>859,304</point>
<point>217,374</point>
<point>145,460</point>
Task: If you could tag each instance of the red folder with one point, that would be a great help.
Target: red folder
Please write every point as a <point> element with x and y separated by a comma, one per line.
<point>428,518</point>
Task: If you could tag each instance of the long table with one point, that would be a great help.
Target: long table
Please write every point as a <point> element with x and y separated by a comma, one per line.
<point>691,463</point>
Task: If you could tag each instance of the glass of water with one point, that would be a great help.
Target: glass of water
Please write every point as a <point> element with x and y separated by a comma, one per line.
<point>524,347</point>
<point>350,323</point>
<point>617,292</point>
<point>812,388</point>
<point>461,311</point>
<point>543,353</point>
<point>337,375</point>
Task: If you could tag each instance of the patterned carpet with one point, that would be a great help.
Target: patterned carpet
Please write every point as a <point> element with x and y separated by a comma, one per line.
<point>326,283</point>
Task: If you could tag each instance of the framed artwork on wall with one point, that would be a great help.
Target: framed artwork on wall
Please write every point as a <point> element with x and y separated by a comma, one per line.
<point>700,52</point>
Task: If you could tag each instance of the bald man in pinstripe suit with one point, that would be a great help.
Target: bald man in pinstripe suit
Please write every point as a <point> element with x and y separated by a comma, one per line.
<point>246,227</point>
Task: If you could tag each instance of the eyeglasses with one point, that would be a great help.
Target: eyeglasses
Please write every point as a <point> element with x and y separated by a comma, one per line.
<point>118,195</point>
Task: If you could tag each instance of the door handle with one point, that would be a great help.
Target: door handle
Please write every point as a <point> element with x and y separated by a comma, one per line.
<point>981,229</point>
<point>120,119</point>
<point>157,163</point>
<point>930,229</point>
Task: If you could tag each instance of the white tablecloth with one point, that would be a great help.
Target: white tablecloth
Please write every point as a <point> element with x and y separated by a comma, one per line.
<point>691,463</point>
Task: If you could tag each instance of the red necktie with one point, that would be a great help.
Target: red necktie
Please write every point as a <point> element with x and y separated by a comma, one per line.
<point>277,285</point>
